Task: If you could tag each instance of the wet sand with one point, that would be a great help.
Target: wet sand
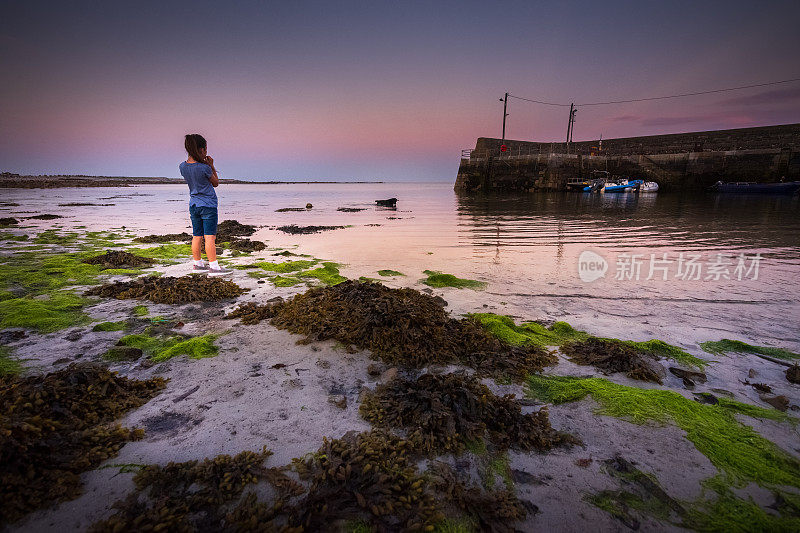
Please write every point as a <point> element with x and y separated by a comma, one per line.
<point>237,401</point>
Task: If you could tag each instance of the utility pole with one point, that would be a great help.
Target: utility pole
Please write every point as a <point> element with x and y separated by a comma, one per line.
<point>572,130</point>
<point>505,107</point>
<point>572,111</point>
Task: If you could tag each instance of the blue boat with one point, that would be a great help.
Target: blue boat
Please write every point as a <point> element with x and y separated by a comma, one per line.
<point>620,186</point>
<point>750,187</point>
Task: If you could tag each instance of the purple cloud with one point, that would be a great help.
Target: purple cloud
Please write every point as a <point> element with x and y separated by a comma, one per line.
<point>774,96</point>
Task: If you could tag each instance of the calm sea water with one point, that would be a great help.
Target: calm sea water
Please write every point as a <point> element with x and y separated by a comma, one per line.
<point>527,247</point>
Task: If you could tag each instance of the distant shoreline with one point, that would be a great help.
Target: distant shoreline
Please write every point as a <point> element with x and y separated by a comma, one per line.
<point>16,181</point>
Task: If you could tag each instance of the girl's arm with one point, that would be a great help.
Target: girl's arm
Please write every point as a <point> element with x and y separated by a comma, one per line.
<point>214,179</point>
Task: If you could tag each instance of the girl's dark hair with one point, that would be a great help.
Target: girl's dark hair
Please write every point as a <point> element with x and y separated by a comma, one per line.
<point>194,143</point>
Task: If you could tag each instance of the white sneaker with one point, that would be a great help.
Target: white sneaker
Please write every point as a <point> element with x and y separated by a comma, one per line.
<point>219,271</point>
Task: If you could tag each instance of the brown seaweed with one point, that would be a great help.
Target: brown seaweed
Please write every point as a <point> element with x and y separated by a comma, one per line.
<point>493,511</point>
<point>611,356</point>
<point>246,245</point>
<point>369,477</point>
<point>8,221</point>
<point>57,426</point>
<point>441,413</point>
<point>187,496</point>
<point>399,326</point>
<point>168,237</point>
<point>171,290</point>
<point>227,230</point>
<point>294,229</point>
<point>119,259</point>
<point>232,228</point>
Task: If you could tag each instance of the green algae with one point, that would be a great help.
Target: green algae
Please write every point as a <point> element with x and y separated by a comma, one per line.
<point>504,328</point>
<point>44,314</point>
<point>40,273</point>
<point>617,503</point>
<point>727,512</point>
<point>282,267</point>
<point>500,465</point>
<point>52,236</point>
<point>110,326</point>
<point>140,310</point>
<point>388,273</point>
<point>449,525</point>
<point>726,346</point>
<point>738,451</point>
<point>5,236</point>
<point>285,281</point>
<point>439,280</point>
<point>9,366</point>
<point>121,272</point>
<point>365,279</point>
<point>358,526</point>
<point>328,273</point>
<point>164,252</point>
<point>102,239</point>
<point>660,348</point>
<point>163,348</point>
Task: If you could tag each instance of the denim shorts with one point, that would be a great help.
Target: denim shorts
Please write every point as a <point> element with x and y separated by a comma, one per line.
<point>204,220</point>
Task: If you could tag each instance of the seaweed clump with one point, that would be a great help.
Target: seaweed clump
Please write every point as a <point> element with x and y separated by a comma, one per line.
<point>725,346</point>
<point>8,221</point>
<point>439,280</point>
<point>233,228</point>
<point>399,326</point>
<point>372,475</point>
<point>294,229</point>
<point>561,333</point>
<point>170,290</point>
<point>165,347</point>
<point>165,238</point>
<point>189,496</point>
<point>55,427</point>
<point>367,478</point>
<point>246,245</point>
<point>611,356</point>
<point>119,259</point>
<point>441,413</point>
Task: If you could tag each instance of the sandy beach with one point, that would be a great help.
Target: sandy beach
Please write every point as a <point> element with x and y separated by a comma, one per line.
<point>261,387</point>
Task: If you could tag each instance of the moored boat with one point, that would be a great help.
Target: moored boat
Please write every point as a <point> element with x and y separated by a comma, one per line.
<point>648,186</point>
<point>619,186</point>
<point>750,187</point>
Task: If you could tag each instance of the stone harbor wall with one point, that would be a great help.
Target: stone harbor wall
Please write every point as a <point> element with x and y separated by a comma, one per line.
<point>676,161</point>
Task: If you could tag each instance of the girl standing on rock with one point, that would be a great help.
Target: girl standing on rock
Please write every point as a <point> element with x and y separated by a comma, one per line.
<point>201,176</point>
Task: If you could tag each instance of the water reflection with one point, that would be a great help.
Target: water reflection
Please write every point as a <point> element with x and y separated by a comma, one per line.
<point>633,220</point>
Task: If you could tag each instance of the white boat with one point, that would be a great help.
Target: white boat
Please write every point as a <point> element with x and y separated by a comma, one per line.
<point>648,186</point>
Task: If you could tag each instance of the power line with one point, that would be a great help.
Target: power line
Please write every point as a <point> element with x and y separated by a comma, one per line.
<point>660,97</point>
<point>537,101</point>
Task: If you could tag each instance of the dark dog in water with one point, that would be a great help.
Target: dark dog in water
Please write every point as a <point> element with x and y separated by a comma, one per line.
<point>391,202</point>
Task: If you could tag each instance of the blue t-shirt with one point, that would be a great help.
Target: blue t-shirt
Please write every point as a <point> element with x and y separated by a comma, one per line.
<point>201,192</point>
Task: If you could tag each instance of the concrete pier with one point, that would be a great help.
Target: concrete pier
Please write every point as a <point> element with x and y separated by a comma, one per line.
<point>675,161</point>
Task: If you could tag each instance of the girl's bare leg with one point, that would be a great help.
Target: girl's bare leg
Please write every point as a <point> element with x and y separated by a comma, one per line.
<point>196,248</point>
<point>211,247</point>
